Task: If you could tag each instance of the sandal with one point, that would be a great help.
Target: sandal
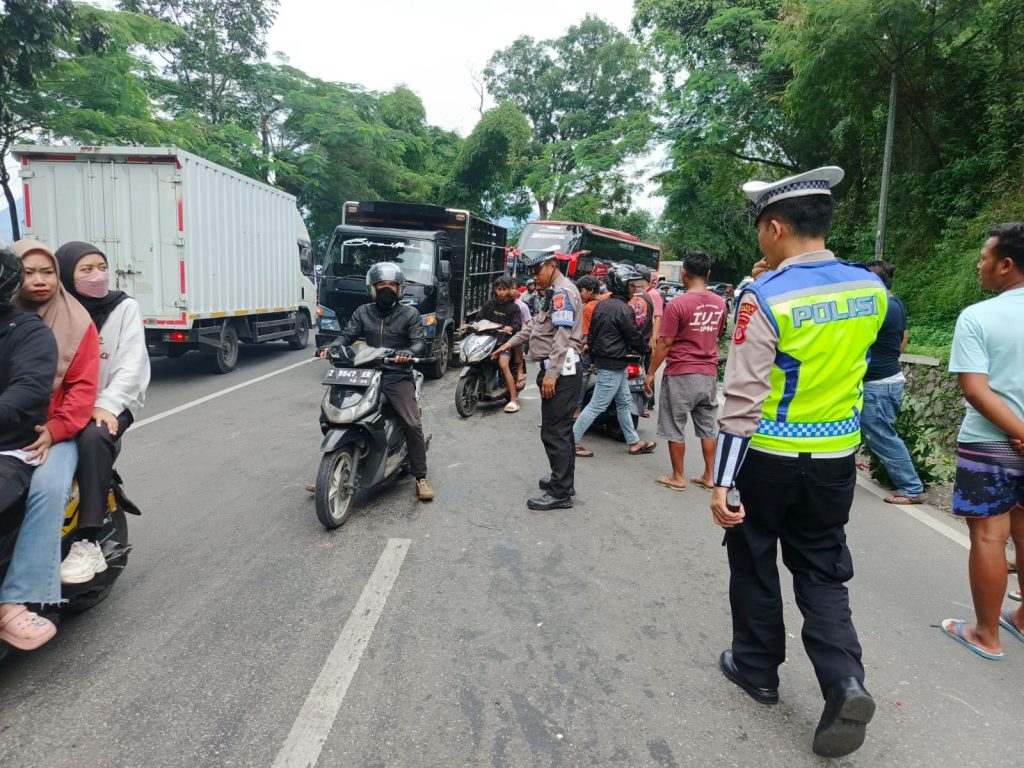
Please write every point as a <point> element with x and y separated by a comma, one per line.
<point>583,452</point>
<point>645,447</point>
<point>512,408</point>
<point>1014,595</point>
<point>902,500</point>
<point>667,482</point>
<point>25,630</point>
<point>700,481</point>
<point>1006,622</point>
<point>954,630</point>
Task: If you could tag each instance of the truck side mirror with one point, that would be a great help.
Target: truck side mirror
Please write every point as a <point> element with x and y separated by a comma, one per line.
<point>446,270</point>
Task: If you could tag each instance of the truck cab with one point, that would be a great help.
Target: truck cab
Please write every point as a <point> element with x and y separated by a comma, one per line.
<point>425,259</point>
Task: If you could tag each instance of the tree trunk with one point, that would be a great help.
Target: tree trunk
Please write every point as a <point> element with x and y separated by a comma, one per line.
<point>542,206</point>
<point>265,139</point>
<point>5,181</point>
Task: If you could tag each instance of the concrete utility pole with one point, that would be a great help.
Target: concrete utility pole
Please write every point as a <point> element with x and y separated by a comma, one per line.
<point>883,200</point>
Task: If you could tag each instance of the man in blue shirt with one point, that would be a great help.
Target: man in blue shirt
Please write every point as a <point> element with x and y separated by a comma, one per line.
<point>988,349</point>
<point>883,395</point>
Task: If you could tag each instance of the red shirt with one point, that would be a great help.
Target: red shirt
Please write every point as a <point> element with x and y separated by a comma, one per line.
<point>72,404</point>
<point>659,302</point>
<point>694,321</point>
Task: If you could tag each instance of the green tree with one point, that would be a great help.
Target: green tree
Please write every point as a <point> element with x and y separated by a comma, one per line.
<point>487,173</point>
<point>588,97</point>
<point>31,35</point>
<point>90,87</point>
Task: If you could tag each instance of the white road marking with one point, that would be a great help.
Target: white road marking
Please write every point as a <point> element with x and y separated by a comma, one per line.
<point>921,516</point>
<point>316,718</point>
<point>220,393</point>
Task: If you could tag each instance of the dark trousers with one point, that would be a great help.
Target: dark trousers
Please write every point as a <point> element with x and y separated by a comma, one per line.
<point>804,503</point>
<point>15,475</point>
<point>96,451</point>
<point>401,395</point>
<point>556,432</point>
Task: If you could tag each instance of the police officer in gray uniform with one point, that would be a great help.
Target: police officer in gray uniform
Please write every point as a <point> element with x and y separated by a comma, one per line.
<point>556,338</point>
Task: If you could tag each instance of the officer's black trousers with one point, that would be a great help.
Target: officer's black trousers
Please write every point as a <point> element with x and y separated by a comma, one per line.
<point>804,503</point>
<point>556,432</point>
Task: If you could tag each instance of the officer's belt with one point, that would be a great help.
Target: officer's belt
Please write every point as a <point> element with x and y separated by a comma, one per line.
<point>806,455</point>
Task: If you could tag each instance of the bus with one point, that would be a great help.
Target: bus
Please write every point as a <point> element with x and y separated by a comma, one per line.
<point>584,249</point>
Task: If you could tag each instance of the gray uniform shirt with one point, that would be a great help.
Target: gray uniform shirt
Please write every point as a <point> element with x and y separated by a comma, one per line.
<point>555,329</point>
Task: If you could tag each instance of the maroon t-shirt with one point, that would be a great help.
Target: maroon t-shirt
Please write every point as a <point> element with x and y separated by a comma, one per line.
<point>694,321</point>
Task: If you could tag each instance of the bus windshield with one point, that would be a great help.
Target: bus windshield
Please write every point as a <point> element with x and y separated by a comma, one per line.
<point>540,237</point>
<point>354,257</point>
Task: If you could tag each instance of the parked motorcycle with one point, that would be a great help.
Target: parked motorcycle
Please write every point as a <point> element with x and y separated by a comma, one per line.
<point>113,540</point>
<point>481,379</point>
<point>364,443</point>
<point>635,374</point>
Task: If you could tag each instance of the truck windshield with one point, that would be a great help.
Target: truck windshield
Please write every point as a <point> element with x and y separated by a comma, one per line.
<point>539,237</point>
<point>353,258</point>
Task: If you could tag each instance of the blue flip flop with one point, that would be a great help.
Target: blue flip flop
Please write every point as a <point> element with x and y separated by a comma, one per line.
<point>1007,623</point>
<point>958,635</point>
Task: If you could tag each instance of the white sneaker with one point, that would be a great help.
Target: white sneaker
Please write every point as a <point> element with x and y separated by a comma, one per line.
<point>82,564</point>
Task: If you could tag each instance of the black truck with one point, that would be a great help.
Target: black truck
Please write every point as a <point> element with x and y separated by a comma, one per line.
<point>450,259</point>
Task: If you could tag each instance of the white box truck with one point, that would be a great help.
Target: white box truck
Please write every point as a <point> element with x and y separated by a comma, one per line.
<point>213,257</point>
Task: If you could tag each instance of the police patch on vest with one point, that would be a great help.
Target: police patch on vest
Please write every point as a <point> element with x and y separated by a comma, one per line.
<point>742,321</point>
<point>831,311</point>
<point>558,301</point>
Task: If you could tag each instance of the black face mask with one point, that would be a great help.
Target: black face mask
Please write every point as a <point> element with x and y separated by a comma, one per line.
<point>386,299</point>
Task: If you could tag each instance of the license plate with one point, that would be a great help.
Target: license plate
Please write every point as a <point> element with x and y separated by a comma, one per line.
<point>349,377</point>
<point>636,385</point>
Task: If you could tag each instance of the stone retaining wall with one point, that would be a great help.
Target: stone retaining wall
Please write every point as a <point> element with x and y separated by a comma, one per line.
<point>938,393</point>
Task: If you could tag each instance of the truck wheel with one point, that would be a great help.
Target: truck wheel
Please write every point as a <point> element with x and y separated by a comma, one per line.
<point>226,357</point>
<point>444,354</point>
<point>301,338</point>
<point>467,395</point>
<point>333,497</point>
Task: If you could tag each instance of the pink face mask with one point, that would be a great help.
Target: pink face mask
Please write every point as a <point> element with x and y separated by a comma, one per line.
<point>95,285</point>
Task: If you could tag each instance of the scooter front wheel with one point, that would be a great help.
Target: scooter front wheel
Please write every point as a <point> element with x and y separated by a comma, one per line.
<point>333,495</point>
<point>467,395</point>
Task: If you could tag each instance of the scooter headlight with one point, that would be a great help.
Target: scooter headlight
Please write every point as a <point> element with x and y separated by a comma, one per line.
<point>345,405</point>
<point>475,348</point>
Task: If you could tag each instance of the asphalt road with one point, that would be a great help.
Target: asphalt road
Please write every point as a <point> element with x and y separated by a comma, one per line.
<point>505,637</point>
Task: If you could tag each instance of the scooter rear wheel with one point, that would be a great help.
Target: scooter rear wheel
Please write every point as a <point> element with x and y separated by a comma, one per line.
<point>333,497</point>
<point>467,395</point>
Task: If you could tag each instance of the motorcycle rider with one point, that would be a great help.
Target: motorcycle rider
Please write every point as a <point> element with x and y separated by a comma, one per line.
<point>387,323</point>
<point>503,310</point>
<point>28,365</point>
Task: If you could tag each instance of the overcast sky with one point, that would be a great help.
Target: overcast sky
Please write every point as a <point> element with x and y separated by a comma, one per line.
<point>429,45</point>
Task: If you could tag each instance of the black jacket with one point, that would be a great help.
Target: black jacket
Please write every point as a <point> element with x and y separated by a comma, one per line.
<point>614,334</point>
<point>400,329</point>
<point>28,365</point>
<point>503,314</point>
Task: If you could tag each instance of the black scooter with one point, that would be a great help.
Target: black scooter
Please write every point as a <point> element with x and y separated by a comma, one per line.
<point>635,373</point>
<point>481,379</point>
<point>113,540</point>
<point>364,443</point>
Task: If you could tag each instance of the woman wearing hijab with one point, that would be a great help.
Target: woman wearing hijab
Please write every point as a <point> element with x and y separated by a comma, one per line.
<point>34,573</point>
<point>123,378</point>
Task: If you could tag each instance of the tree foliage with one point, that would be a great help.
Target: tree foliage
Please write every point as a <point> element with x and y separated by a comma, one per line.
<point>588,97</point>
<point>762,88</point>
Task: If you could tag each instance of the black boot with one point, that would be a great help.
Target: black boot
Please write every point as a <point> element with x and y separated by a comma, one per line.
<point>545,484</point>
<point>760,695</point>
<point>546,502</point>
<point>848,710</point>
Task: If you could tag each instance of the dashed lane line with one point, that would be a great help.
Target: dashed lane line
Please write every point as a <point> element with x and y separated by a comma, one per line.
<point>316,718</point>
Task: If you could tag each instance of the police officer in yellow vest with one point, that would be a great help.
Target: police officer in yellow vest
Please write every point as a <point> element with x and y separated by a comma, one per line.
<point>789,430</point>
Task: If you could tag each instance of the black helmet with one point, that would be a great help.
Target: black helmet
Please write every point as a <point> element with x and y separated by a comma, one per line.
<point>533,259</point>
<point>385,271</point>
<point>10,276</point>
<point>619,277</point>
